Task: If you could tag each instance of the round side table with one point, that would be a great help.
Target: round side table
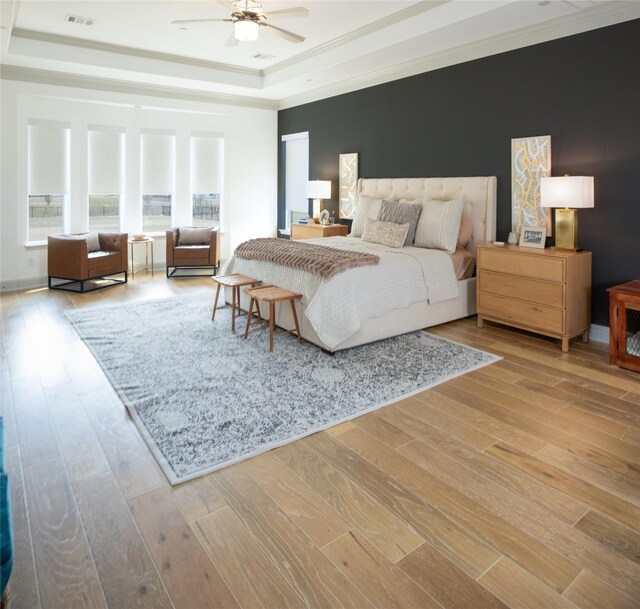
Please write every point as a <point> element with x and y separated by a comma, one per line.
<point>148,247</point>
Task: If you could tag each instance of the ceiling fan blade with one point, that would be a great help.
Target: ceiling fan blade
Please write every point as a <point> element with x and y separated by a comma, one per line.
<point>232,41</point>
<point>295,11</point>
<point>180,21</point>
<point>228,6</point>
<point>285,33</point>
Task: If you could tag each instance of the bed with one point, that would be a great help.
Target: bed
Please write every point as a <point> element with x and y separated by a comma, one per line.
<point>371,303</point>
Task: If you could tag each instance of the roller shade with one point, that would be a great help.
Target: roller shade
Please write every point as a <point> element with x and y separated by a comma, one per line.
<point>206,164</point>
<point>158,163</point>
<point>48,160</point>
<point>106,174</point>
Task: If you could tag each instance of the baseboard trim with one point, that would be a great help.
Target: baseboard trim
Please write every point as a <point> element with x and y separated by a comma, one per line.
<point>14,285</point>
<point>599,334</point>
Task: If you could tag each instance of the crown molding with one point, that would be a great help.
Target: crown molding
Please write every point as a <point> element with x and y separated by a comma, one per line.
<point>597,17</point>
<point>8,72</point>
<point>367,30</point>
<point>129,51</point>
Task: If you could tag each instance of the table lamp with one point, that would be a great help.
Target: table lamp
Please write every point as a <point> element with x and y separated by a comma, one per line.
<point>567,194</point>
<point>318,190</point>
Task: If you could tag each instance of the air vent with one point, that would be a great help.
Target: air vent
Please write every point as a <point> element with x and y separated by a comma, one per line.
<point>264,56</point>
<point>79,20</point>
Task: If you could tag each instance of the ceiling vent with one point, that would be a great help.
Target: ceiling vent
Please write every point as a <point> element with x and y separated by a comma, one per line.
<point>79,20</point>
<point>264,56</point>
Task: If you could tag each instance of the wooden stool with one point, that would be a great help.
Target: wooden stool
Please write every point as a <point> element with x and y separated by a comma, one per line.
<point>272,294</point>
<point>235,282</point>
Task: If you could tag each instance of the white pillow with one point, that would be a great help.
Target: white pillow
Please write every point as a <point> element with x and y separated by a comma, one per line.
<point>191,235</point>
<point>367,207</point>
<point>93,242</point>
<point>390,234</point>
<point>439,224</point>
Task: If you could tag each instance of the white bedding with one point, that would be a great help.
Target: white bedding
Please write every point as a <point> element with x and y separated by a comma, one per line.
<point>337,307</point>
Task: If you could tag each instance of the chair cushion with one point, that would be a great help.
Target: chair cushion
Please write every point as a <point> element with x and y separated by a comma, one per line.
<point>189,235</point>
<point>191,252</point>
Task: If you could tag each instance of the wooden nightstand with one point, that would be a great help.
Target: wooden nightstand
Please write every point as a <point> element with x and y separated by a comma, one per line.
<point>316,231</point>
<point>547,291</point>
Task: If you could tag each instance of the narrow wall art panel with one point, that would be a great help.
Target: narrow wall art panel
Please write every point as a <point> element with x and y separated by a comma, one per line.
<point>348,172</point>
<point>530,162</point>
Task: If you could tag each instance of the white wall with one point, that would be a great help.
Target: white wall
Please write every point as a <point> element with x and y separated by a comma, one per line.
<point>249,197</point>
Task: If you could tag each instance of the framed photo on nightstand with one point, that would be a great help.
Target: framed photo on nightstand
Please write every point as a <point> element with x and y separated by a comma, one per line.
<point>533,236</point>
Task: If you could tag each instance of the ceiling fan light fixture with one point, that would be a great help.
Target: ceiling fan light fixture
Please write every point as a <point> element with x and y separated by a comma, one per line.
<point>245,30</point>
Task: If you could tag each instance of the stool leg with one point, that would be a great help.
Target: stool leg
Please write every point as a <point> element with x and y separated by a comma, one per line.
<point>215,302</point>
<point>295,318</point>
<point>272,323</point>
<point>234,291</point>
<point>246,330</point>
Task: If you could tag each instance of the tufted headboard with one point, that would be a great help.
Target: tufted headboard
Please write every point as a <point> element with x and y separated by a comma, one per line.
<point>479,197</point>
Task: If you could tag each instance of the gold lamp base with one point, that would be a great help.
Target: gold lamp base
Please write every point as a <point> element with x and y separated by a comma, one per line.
<point>567,229</point>
<point>318,206</point>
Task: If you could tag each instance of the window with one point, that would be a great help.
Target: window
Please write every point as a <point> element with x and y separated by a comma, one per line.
<point>158,176</point>
<point>205,209</point>
<point>156,212</point>
<point>206,179</point>
<point>296,164</point>
<point>48,169</point>
<point>105,172</point>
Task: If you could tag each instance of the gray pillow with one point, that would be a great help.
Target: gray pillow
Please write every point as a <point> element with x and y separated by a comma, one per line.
<point>93,242</point>
<point>189,235</point>
<point>401,213</point>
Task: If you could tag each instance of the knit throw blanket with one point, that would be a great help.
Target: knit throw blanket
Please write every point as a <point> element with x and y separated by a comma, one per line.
<point>317,259</point>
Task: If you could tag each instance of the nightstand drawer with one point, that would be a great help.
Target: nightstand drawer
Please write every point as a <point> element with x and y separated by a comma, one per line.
<point>521,313</point>
<point>535,266</point>
<point>522,288</point>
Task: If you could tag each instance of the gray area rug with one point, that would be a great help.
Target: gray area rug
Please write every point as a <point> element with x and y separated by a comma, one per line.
<point>204,398</point>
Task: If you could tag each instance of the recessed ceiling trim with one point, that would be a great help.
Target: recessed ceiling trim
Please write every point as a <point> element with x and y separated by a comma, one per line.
<point>590,19</point>
<point>120,86</point>
<point>371,28</point>
<point>129,51</point>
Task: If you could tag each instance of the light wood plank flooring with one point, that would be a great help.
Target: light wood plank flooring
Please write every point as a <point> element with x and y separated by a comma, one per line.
<point>515,486</point>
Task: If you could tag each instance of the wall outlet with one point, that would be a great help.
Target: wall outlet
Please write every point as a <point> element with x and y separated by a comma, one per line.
<point>31,261</point>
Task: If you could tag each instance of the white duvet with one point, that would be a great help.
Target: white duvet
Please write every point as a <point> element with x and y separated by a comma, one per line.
<point>337,307</point>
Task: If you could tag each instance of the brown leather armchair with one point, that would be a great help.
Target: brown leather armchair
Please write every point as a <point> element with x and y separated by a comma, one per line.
<point>189,247</point>
<point>86,257</point>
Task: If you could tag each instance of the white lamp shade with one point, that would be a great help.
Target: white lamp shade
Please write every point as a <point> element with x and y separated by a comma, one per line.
<point>206,164</point>
<point>158,151</point>
<point>567,191</point>
<point>245,31</point>
<point>106,171</point>
<point>319,189</point>
<point>48,160</point>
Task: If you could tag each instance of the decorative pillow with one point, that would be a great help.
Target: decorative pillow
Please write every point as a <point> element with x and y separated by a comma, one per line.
<point>439,224</point>
<point>466,231</point>
<point>367,207</point>
<point>385,233</point>
<point>93,242</point>
<point>401,213</point>
<point>189,235</point>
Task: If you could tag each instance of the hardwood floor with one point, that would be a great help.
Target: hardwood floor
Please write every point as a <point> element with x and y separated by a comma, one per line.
<point>514,486</point>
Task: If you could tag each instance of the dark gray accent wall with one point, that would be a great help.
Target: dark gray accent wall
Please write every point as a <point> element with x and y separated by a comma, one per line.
<point>583,90</point>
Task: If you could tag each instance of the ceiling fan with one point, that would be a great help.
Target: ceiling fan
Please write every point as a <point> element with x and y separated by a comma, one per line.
<point>247,18</point>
